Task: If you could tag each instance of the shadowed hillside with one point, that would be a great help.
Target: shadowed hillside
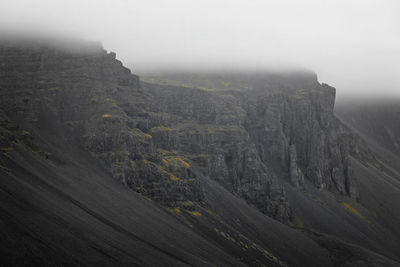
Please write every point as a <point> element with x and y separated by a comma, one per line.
<point>100,168</point>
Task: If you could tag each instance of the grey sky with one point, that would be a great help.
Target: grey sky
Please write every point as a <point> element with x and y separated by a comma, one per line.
<point>352,45</point>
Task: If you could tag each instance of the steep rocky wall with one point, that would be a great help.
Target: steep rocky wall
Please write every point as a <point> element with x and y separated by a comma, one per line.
<point>156,138</point>
<point>254,141</point>
<point>299,128</point>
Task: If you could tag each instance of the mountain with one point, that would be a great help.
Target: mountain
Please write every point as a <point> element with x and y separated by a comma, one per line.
<point>378,120</point>
<point>232,169</point>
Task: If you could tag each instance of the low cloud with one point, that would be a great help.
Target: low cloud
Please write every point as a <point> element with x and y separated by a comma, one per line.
<point>352,45</point>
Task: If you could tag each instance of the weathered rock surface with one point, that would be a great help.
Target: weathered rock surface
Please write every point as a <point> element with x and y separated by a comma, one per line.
<point>246,139</point>
<point>149,135</point>
<point>269,139</point>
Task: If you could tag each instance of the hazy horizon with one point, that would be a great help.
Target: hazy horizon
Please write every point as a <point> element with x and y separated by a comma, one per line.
<point>351,45</point>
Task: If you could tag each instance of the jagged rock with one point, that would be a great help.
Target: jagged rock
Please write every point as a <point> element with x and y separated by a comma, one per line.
<point>278,127</point>
<point>296,175</point>
<point>166,142</point>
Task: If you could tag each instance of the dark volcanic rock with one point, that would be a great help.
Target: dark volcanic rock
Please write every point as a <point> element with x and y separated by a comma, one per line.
<point>296,175</point>
<point>268,139</point>
<point>245,140</point>
<point>282,127</point>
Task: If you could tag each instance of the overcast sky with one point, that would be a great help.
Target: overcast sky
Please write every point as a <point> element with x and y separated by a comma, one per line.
<point>353,45</point>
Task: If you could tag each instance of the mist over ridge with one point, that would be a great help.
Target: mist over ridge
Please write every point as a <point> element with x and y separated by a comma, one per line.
<point>214,133</point>
<point>351,45</point>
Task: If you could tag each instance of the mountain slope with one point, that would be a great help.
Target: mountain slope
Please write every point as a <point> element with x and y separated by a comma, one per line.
<point>98,168</point>
<point>377,121</point>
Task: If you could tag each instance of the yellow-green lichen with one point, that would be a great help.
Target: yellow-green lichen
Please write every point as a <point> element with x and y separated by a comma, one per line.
<point>353,210</point>
<point>187,204</point>
<point>196,213</point>
<point>176,210</point>
<point>175,161</point>
<point>161,129</point>
<point>173,177</point>
<point>148,136</point>
<point>225,83</point>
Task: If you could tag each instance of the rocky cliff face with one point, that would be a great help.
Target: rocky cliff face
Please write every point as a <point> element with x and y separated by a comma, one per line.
<point>254,141</point>
<point>212,158</point>
<point>157,139</point>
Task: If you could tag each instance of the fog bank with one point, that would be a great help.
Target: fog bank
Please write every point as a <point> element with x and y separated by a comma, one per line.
<point>352,45</point>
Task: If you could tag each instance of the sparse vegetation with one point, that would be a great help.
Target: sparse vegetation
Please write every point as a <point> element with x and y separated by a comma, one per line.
<point>173,177</point>
<point>196,213</point>
<point>353,210</point>
<point>148,136</point>
<point>176,210</point>
<point>226,83</point>
<point>175,161</point>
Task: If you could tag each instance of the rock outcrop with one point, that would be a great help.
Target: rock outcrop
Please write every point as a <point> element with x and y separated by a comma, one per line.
<point>79,133</point>
<point>250,140</point>
<point>296,175</point>
<point>279,132</point>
